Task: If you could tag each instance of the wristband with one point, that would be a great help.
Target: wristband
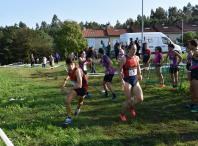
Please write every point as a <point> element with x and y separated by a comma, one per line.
<point>65,79</point>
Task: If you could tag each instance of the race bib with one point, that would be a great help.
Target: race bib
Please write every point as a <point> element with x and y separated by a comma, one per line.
<point>171,61</point>
<point>132,71</point>
<point>85,67</point>
<point>73,82</point>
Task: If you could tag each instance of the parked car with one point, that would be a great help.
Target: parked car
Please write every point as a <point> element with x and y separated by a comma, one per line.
<point>112,54</point>
<point>183,49</point>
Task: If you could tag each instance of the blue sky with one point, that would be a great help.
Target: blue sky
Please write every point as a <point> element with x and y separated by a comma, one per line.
<point>101,11</point>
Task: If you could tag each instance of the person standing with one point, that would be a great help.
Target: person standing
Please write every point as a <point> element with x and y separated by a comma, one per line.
<point>37,60</point>
<point>130,65</point>
<point>32,60</point>
<point>193,44</point>
<point>79,87</point>
<point>109,73</point>
<point>92,54</point>
<point>146,59</point>
<point>44,62</point>
<point>144,42</point>
<point>116,49</point>
<point>52,62</point>
<point>138,46</point>
<point>173,55</point>
<point>123,46</point>
<point>56,58</point>
<point>104,47</point>
<point>109,50</point>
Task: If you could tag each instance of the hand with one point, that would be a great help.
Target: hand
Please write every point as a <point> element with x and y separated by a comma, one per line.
<point>64,89</point>
<point>139,77</point>
<point>106,72</point>
<point>166,63</point>
<point>122,84</point>
<point>63,85</point>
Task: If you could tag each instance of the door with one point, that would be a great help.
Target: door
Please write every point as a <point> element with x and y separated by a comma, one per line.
<point>165,42</point>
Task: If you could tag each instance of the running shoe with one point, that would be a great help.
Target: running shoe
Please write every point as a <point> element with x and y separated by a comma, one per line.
<point>114,99</point>
<point>122,89</point>
<point>162,86</point>
<point>123,118</point>
<point>132,110</point>
<point>159,85</point>
<point>191,106</point>
<point>104,96</point>
<point>132,98</point>
<point>88,95</point>
<point>195,110</point>
<point>77,111</point>
<point>68,120</point>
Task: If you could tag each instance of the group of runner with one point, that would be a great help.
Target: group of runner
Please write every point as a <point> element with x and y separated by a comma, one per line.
<point>130,74</point>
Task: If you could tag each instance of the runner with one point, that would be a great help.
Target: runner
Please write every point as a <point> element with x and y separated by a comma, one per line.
<point>194,75</point>
<point>83,65</point>
<point>130,65</point>
<point>173,55</point>
<point>121,54</point>
<point>188,62</point>
<point>146,59</point>
<point>158,59</point>
<point>109,73</point>
<point>79,87</point>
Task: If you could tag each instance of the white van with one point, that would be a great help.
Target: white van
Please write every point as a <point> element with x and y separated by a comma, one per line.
<point>154,39</point>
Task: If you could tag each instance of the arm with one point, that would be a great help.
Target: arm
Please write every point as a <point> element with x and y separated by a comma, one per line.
<point>96,63</point>
<point>81,61</point>
<point>139,70</point>
<point>162,59</point>
<point>150,56</point>
<point>167,58</point>
<point>110,65</point>
<point>180,57</point>
<point>65,81</point>
<point>122,62</point>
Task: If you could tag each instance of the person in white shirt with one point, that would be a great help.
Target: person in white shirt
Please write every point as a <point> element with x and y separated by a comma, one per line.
<point>44,62</point>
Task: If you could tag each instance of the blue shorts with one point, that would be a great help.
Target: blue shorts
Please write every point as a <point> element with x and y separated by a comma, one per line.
<point>132,80</point>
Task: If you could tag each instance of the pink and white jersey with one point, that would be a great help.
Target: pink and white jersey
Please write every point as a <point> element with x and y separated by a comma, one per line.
<point>121,54</point>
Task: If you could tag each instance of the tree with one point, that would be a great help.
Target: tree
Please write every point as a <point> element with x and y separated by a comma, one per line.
<point>70,38</point>
<point>22,25</point>
<point>187,36</point>
<point>118,24</point>
<point>37,26</point>
<point>55,22</point>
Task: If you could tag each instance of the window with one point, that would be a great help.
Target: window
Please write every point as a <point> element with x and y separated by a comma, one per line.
<point>116,30</point>
<point>165,40</point>
<point>165,27</point>
<point>92,31</point>
<point>147,28</point>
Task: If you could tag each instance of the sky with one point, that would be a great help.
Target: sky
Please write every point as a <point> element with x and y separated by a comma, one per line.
<point>101,11</point>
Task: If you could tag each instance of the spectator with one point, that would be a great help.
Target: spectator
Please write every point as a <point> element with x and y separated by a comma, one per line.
<point>116,49</point>
<point>104,47</point>
<point>32,60</point>
<point>37,60</point>
<point>123,46</point>
<point>44,62</point>
<point>92,54</point>
<point>56,57</point>
<point>109,50</point>
<point>52,62</point>
<point>127,44</point>
<point>131,41</point>
<point>144,42</point>
<point>138,46</point>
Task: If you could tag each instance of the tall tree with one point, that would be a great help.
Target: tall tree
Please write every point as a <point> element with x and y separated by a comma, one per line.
<point>55,22</point>
<point>22,25</point>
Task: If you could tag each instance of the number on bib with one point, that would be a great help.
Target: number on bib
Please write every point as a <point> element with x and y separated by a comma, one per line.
<point>85,67</point>
<point>132,71</point>
<point>171,61</point>
<point>73,82</point>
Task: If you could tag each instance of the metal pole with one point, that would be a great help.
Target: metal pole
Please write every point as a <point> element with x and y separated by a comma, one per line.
<point>142,26</point>
<point>182,32</point>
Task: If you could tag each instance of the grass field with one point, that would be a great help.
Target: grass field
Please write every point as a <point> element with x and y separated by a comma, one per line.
<point>162,118</point>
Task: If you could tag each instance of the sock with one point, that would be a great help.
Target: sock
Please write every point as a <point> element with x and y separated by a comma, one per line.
<point>106,93</point>
<point>69,117</point>
<point>192,104</point>
<point>122,114</point>
<point>131,107</point>
<point>114,95</point>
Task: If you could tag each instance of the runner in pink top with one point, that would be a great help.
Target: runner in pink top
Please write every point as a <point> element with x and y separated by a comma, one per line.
<point>173,55</point>
<point>158,59</point>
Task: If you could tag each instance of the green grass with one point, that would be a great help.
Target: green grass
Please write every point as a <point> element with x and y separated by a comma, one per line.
<point>162,118</point>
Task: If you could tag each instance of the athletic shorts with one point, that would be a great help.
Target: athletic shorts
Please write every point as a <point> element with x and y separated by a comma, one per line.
<point>80,91</point>
<point>108,78</point>
<point>173,70</point>
<point>132,80</point>
<point>188,67</point>
<point>145,59</point>
<point>156,66</point>
<point>194,74</point>
<point>85,72</point>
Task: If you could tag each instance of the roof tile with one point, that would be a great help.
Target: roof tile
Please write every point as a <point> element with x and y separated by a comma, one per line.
<point>117,31</point>
<point>94,33</point>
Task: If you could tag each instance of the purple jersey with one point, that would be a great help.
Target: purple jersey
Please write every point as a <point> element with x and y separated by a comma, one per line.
<point>173,60</point>
<point>188,59</point>
<point>83,66</point>
<point>105,59</point>
<point>157,57</point>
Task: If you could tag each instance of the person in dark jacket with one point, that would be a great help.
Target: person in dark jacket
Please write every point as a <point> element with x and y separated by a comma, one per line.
<point>92,54</point>
<point>109,50</point>
<point>56,57</point>
<point>138,46</point>
<point>32,60</point>
<point>116,49</point>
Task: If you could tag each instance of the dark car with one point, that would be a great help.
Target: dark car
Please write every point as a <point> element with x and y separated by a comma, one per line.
<point>112,54</point>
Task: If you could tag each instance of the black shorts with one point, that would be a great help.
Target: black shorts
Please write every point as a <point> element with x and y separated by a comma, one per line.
<point>145,59</point>
<point>194,74</point>
<point>132,80</point>
<point>188,67</point>
<point>80,91</point>
<point>173,70</point>
<point>108,78</point>
<point>85,72</point>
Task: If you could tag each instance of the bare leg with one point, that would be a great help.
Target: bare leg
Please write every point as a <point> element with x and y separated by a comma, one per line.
<point>105,86</point>
<point>139,94</point>
<point>144,65</point>
<point>108,84</point>
<point>161,78</point>
<point>189,76</point>
<point>173,78</point>
<point>176,78</point>
<point>70,96</point>
<point>127,93</point>
<point>80,101</point>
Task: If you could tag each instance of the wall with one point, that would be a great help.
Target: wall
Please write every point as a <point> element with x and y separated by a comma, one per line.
<point>113,42</point>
